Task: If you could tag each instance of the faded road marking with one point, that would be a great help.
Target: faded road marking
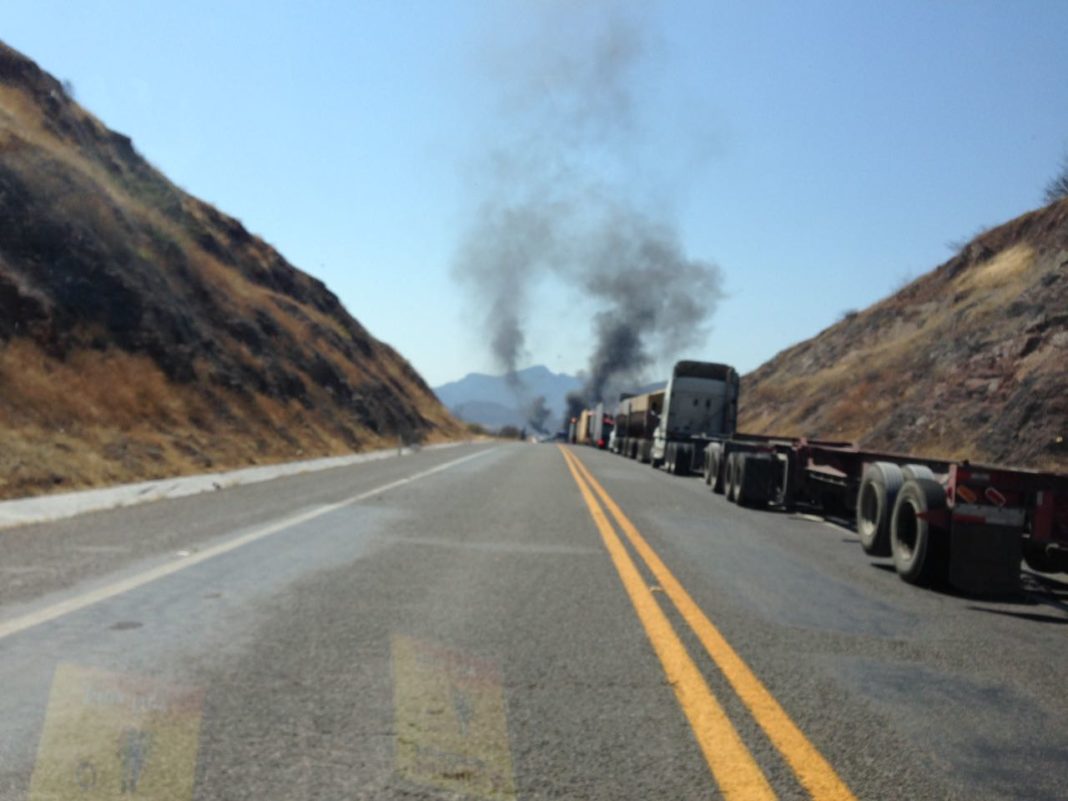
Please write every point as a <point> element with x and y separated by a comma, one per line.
<point>452,731</point>
<point>112,735</point>
<point>79,602</point>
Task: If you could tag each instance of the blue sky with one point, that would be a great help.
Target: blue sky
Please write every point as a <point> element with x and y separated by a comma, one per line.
<point>819,152</point>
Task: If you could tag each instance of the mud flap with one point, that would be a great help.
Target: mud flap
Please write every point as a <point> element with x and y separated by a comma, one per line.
<point>985,559</point>
<point>758,480</point>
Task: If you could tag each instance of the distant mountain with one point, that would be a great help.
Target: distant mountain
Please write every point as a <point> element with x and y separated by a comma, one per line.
<point>492,401</point>
<point>494,416</point>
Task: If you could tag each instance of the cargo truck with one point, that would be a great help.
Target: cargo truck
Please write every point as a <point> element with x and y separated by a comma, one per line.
<point>636,421</point>
<point>582,427</point>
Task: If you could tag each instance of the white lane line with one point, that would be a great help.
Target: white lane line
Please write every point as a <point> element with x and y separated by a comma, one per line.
<point>15,625</point>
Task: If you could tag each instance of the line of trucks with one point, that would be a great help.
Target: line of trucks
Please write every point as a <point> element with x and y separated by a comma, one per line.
<point>941,521</point>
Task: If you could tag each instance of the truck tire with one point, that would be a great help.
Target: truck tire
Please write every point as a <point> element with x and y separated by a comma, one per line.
<point>711,461</point>
<point>728,477</point>
<point>781,496</point>
<point>921,551</point>
<point>754,479</point>
<point>917,471</point>
<point>875,504</point>
<point>734,472</point>
<point>680,463</point>
<point>741,494</point>
<point>713,457</point>
<point>1042,560</point>
<point>717,467</point>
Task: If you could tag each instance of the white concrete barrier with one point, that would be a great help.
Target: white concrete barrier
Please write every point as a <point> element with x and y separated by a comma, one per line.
<point>22,511</point>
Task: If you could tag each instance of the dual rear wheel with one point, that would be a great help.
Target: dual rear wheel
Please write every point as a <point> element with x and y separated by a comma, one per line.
<point>895,507</point>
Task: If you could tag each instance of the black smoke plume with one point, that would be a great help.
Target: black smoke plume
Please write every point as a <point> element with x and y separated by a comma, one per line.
<point>538,414</point>
<point>558,203</point>
<point>576,402</point>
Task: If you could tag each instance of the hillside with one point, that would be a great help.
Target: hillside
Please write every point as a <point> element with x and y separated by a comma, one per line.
<point>967,361</point>
<point>144,333</point>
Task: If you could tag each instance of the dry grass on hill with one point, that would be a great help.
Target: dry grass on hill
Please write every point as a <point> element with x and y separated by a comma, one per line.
<point>968,361</point>
<point>144,333</point>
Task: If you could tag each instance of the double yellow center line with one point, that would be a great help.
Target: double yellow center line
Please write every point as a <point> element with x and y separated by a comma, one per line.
<point>732,765</point>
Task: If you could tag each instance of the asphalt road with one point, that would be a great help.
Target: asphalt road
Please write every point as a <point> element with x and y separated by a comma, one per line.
<point>500,621</point>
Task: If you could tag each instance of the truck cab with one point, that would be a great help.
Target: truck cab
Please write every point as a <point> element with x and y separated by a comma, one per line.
<point>700,403</point>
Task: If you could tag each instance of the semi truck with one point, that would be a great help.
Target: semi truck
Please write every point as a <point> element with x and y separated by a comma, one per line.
<point>615,440</point>
<point>700,407</point>
<point>941,521</point>
<point>601,425</point>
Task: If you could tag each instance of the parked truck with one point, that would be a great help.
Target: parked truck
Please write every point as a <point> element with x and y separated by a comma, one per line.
<point>700,406</point>
<point>601,424</point>
<point>615,439</point>
<point>582,427</point>
<point>636,421</point>
<point>939,520</point>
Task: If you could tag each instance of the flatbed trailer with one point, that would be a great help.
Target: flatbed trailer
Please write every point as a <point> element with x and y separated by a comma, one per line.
<point>940,520</point>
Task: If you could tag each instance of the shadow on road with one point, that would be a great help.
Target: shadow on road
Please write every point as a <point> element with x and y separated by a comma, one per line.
<point>1035,589</point>
<point>1032,616</point>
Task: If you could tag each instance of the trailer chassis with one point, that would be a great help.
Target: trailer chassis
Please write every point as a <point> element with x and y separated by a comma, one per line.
<point>941,521</point>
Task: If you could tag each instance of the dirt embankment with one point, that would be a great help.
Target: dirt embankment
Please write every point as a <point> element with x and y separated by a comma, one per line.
<point>144,333</point>
<point>967,361</point>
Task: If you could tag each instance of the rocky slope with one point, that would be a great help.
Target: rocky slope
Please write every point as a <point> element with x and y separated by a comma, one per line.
<point>967,361</point>
<point>145,333</point>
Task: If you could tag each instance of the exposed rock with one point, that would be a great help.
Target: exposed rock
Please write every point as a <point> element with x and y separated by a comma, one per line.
<point>968,361</point>
<point>133,313</point>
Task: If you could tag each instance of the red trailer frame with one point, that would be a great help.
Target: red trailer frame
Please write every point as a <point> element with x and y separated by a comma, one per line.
<point>983,518</point>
